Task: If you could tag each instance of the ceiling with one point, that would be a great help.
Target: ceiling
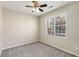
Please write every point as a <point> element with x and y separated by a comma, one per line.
<point>20,6</point>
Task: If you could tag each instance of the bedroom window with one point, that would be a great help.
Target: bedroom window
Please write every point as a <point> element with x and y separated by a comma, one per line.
<point>60,26</point>
<point>50,26</point>
<point>57,25</point>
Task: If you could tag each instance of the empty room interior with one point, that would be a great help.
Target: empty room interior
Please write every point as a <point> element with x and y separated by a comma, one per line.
<point>39,28</point>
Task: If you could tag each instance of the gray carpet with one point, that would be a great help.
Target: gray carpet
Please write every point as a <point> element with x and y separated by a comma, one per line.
<point>37,49</point>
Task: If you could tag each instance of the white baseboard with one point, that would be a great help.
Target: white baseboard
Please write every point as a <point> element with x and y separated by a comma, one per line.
<point>61,49</point>
<point>18,45</point>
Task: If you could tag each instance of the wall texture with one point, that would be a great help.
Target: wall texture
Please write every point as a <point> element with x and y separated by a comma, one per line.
<point>0,29</point>
<point>19,28</point>
<point>71,43</point>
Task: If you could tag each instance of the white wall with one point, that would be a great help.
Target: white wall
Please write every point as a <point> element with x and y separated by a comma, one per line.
<point>0,29</point>
<point>71,43</point>
<point>19,28</point>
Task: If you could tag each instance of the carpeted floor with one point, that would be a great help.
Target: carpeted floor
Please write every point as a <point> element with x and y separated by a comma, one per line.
<point>37,49</point>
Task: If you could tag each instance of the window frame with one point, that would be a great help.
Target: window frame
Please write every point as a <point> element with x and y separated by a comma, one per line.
<point>54,19</point>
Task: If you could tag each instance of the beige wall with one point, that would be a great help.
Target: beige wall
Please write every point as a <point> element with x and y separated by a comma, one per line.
<point>19,28</point>
<point>0,29</point>
<point>71,43</point>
